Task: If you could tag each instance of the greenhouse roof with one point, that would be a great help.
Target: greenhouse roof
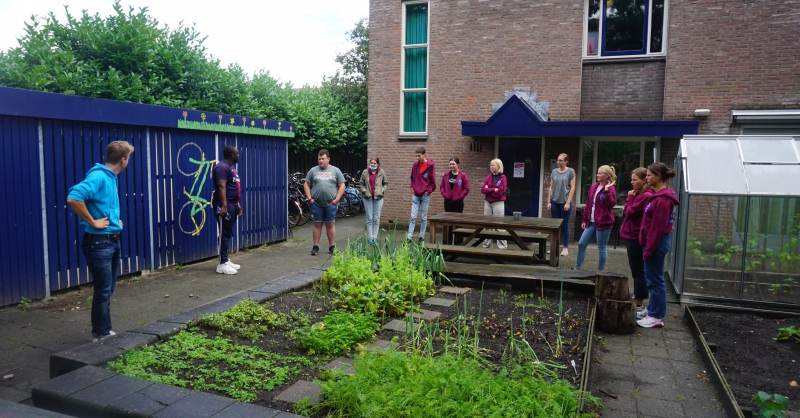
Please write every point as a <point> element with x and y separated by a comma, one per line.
<point>741,165</point>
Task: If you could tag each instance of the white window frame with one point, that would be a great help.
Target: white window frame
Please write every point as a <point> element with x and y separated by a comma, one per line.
<point>596,139</point>
<point>403,48</point>
<point>600,34</point>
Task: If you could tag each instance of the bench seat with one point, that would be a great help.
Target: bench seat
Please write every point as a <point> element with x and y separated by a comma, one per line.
<point>519,256</point>
<point>540,239</point>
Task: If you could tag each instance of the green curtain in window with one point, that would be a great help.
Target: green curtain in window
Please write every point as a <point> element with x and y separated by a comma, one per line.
<point>416,71</point>
<point>414,112</point>
<point>417,24</point>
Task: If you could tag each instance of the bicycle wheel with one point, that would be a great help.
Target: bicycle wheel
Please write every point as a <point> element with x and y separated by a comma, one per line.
<point>354,201</point>
<point>344,207</point>
<point>295,213</point>
<point>306,208</point>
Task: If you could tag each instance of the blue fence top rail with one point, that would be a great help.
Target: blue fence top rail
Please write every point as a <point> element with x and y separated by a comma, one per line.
<point>37,104</point>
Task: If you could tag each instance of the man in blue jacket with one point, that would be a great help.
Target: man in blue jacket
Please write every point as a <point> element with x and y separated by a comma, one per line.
<point>96,202</point>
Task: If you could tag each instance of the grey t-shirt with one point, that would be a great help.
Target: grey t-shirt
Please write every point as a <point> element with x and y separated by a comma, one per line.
<point>324,184</point>
<point>560,190</point>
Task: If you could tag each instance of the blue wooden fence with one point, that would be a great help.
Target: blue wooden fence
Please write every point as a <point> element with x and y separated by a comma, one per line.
<point>49,142</point>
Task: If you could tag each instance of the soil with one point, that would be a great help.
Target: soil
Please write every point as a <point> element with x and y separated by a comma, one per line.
<point>749,357</point>
<point>492,307</point>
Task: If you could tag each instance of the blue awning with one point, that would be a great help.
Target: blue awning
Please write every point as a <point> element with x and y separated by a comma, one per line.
<point>515,118</point>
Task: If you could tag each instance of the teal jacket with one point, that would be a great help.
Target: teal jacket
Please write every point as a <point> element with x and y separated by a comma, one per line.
<point>100,192</point>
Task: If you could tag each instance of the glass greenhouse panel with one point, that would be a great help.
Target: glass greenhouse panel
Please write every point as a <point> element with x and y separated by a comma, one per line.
<point>768,150</point>
<point>714,166</point>
<point>773,179</point>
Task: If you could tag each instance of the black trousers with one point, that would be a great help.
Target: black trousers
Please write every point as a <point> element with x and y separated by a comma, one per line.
<point>454,207</point>
<point>636,261</point>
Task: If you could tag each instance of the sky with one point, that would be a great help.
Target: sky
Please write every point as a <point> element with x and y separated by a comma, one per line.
<point>295,40</point>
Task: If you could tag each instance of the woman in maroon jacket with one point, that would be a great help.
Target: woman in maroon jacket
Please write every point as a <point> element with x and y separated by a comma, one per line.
<point>454,187</point>
<point>597,216</point>
<point>629,231</point>
<point>494,187</point>
<point>659,214</point>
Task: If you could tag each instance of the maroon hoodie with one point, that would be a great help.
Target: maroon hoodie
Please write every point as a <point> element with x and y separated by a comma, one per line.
<point>488,188</point>
<point>634,210</point>
<point>659,214</point>
<point>425,182</point>
<point>603,216</point>
<point>459,191</point>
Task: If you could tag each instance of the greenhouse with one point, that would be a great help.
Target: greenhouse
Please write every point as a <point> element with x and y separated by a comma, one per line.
<point>737,227</point>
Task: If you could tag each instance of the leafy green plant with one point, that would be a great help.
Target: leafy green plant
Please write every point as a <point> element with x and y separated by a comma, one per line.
<point>338,332</point>
<point>787,333</point>
<point>771,406</point>
<point>180,267</point>
<point>247,319</point>
<point>694,246</point>
<point>191,359</point>
<point>24,304</point>
<point>723,250</point>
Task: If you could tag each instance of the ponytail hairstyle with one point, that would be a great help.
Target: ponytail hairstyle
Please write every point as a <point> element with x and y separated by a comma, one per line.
<point>661,170</point>
<point>608,170</point>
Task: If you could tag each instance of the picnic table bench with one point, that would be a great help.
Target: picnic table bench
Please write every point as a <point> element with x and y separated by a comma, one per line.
<point>459,234</point>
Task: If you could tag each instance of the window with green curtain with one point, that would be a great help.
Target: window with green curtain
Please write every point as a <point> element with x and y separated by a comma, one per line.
<point>416,68</point>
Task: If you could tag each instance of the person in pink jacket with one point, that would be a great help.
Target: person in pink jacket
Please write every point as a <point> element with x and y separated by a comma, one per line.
<point>629,231</point>
<point>494,187</point>
<point>659,215</point>
<point>454,187</point>
<point>423,183</point>
<point>598,219</point>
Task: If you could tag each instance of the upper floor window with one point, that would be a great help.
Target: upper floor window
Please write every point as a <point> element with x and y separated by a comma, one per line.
<point>625,27</point>
<point>414,68</point>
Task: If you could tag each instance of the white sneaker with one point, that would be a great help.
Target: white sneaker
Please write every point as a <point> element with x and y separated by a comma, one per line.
<point>235,266</point>
<point>487,243</point>
<point>650,322</point>
<point>96,339</point>
<point>502,244</point>
<point>640,314</point>
<point>226,269</point>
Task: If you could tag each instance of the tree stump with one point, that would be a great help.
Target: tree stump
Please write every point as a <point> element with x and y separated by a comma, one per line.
<point>611,286</point>
<point>616,316</point>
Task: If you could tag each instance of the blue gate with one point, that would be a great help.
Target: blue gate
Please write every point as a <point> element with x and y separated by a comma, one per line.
<point>50,141</point>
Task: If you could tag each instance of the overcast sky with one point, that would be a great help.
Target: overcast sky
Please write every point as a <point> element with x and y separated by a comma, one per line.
<point>295,40</point>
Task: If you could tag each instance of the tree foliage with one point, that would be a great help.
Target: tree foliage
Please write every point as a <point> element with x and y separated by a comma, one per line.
<point>129,56</point>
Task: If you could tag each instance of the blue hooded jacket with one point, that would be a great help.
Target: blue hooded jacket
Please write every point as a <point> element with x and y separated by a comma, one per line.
<point>100,192</point>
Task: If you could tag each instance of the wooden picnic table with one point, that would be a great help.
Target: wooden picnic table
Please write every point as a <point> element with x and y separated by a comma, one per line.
<point>548,226</point>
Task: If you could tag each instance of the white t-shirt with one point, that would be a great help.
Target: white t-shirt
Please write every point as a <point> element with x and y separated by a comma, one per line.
<point>594,200</point>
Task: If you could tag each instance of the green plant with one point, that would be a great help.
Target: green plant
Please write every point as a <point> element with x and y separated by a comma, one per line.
<point>338,332</point>
<point>191,359</point>
<point>791,332</point>
<point>180,267</point>
<point>24,304</point>
<point>723,250</point>
<point>247,319</point>
<point>771,406</point>
<point>694,246</point>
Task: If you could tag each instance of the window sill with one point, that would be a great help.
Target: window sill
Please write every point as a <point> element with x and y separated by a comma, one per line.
<point>621,60</point>
<point>412,137</point>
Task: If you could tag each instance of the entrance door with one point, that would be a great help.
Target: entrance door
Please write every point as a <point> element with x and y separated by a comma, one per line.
<point>524,195</point>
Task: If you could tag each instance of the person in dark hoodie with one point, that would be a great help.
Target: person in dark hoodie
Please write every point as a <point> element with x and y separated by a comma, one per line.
<point>629,231</point>
<point>96,202</point>
<point>454,187</point>
<point>659,215</point>
<point>423,183</point>
<point>597,218</point>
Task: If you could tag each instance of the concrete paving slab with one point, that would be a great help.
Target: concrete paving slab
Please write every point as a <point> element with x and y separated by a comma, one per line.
<point>692,368</point>
<point>439,302</point>
<point>93,400</point>
<point>680,354</point>
<point>399,326</point>
<point>379,346</point>
<point>660,408</point>
<point>256,296</point>
<point>92,354</point>
<point>665,392</point>
<point>53,394</point>
<point>13,409</point>
<point>655,364</point>
<point>195,405</point>
<point>300,390</point>
<point>14,395</point>
<point>650,350</point>
<point>163,330</point>
<point>701,411</point>
<point>128,341</point>
<point>246,410</point>
<point>426,315</point>
<point>625,402</point>
<point>25,378</point>
<point>453,290</point>
<point>343,363</point>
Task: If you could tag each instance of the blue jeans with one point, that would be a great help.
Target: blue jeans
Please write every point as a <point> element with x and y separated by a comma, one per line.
<point>373,210</point>
<point>557,212</point>
<point>225,230</point>
<point>102,258</point>
<point>419,204</point>
<point>654,272</point>
<point>589,234</point>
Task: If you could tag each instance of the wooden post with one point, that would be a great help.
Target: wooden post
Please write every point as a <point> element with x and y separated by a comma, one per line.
<point>611,286</point>
<point>616,317</point>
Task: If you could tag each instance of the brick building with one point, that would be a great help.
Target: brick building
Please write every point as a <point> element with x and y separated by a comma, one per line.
<point>616,82</point>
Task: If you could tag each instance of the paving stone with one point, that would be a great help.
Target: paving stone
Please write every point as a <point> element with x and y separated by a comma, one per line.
<point>622,359</point>
<point>659,351</point>
<point>303,278</point>
<point>53,393</point>
<point>300,390</point>
<point>614,413</point>
<point>288,415</point>
<point>92,354</point>
<point>426,315</point>
<point>698,395</point>
<point>654,377</point>
<point>667,391</point>
<point>687,368</point>
<point>439,302</point>
<point>186,317</point>
<point>399,326</point>
<point>13,409</point>
<point>25,378</point>
<point>343,363</point>
<point>625,402</point>
<point>195,405</point>
<point>700,411</point>
<point>163,330</point>
<point>134,405</point>
<point>93,400</point>
<point>13,395</point>
<point>128,341</point>
<point>246,410</point>
<point>453,290</point>
<point>660,408</point>
<point>379,346</point>
<point>280,287</point>
<point>256,296</point>
<point>683,355</point>
<point>653,364</point>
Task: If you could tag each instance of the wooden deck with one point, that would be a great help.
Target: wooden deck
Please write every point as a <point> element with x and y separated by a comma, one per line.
<point>489,271</point>
<point>452,252</point>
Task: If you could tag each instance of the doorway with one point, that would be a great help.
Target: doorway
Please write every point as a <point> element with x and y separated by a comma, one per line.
<point>522,159</point>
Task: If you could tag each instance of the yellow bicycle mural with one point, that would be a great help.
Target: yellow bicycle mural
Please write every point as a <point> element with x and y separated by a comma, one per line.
<point>196,204</point>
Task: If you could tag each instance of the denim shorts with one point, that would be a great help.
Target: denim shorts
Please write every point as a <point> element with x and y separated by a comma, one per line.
<point>325,214</point>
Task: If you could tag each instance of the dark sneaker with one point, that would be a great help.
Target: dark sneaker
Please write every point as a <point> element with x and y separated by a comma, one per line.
<point>331,248</point>
<point>315,250</point>
<point>421,241</point>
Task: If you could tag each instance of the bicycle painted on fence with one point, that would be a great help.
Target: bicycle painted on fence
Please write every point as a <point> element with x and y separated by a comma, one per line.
<point>196,204</point>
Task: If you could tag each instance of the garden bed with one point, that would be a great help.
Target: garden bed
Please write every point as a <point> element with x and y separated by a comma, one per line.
<point>749,357</point>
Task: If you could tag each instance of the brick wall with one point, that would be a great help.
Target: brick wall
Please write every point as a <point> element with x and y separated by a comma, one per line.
<point>622,91</point>
<point>477,51</point>
<point>726,55</point>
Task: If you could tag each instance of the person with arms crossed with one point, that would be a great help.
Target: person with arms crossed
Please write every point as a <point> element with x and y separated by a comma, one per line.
<point>561,192</point>
<point>372,185</point>
<point>227,192</point>
<point>324,188</point>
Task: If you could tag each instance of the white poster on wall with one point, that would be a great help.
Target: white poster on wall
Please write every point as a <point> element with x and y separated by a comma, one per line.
<point>519,170</point>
